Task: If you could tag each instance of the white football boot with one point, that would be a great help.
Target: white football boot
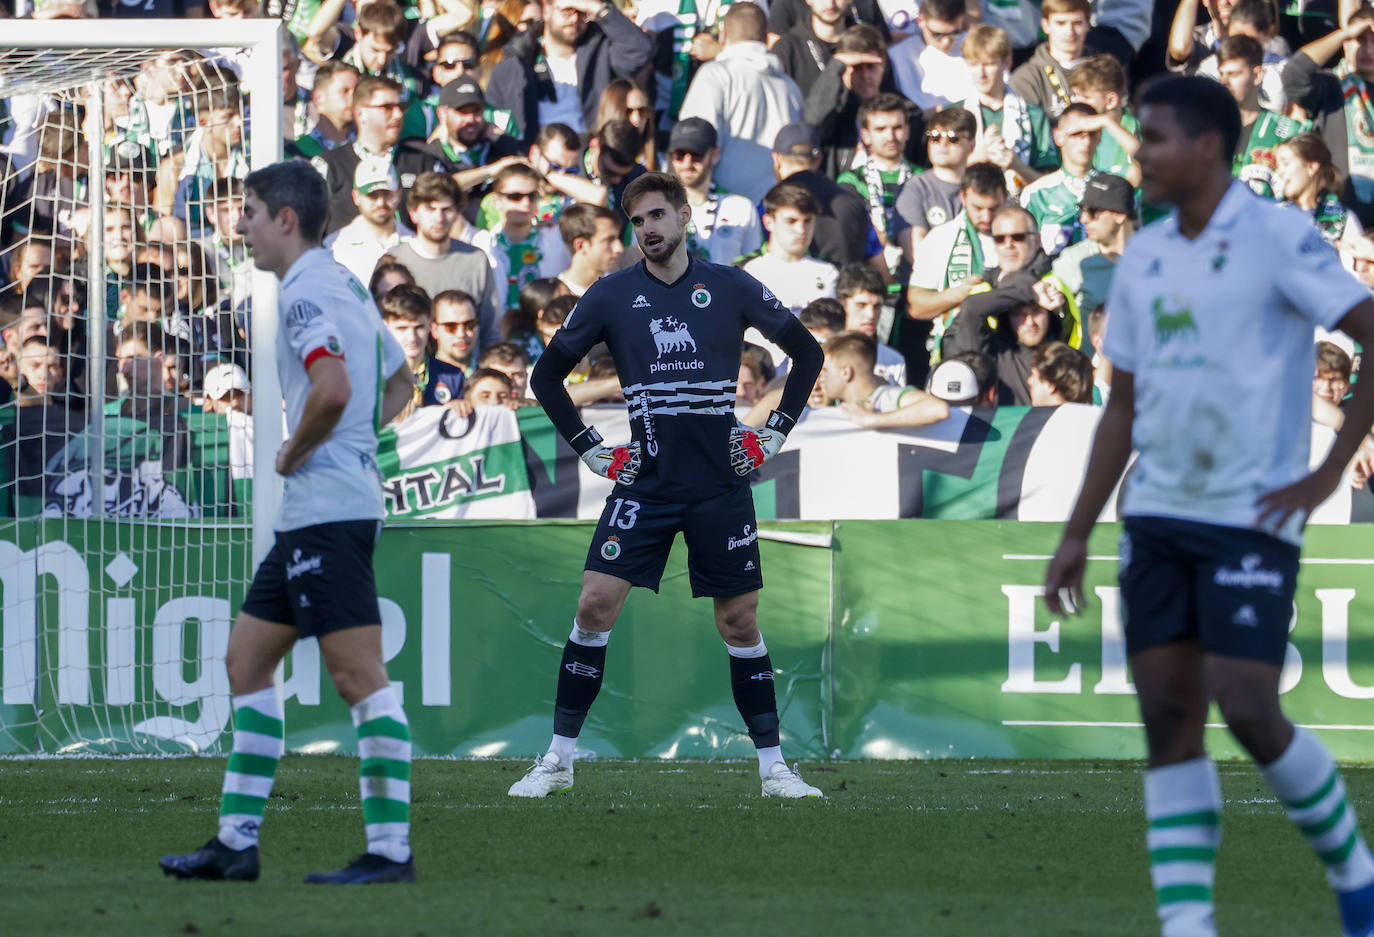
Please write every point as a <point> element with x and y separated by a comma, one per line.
<point>546,776</point>
<point>783,781</point>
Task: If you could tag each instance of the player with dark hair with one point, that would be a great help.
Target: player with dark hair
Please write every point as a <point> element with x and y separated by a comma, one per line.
<point>1211,314</point>
<point>674,325</point>
<point>342,376</point>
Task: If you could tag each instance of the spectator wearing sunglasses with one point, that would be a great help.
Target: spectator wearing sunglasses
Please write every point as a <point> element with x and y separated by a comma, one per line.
<point>520,250</point>
<point>929,67</point>
<point>1016,240</point>
<point>457,57</point>
<point>932,198</point>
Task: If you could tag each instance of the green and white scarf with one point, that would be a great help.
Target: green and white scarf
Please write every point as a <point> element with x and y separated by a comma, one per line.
<point>1331,217</point>
<point>1359,131</point>
<point>684,31</point>
<point>965,260</point>
<point>965,256</point>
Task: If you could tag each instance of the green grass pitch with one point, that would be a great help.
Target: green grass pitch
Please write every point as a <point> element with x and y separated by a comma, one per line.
<point>985,848</point>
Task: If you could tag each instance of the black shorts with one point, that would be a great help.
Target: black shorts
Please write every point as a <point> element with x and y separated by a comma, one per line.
<point>633,539</point>
<point>318,578</point>
<point>1228,587</point>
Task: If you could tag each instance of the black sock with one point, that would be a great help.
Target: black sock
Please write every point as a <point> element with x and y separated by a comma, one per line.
<point>751,679</point>
<point>579,680</point>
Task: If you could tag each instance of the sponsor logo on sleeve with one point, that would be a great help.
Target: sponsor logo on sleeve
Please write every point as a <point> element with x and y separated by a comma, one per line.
<point>301,313</point>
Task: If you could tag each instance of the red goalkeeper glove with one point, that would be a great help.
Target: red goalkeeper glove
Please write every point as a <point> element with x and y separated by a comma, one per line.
<point>620,465</point>
<point>750,448</point>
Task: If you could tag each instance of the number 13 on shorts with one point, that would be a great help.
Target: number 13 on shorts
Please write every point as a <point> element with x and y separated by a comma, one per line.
<point>624,512</point>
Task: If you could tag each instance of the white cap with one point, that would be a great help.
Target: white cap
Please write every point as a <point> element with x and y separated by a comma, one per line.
<point>954,382</point>
<point>223,378</point>
<point>375,173</point>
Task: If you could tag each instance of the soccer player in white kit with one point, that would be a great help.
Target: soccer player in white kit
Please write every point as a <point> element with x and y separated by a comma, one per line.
<point>343,376</point>
<point>1212,311</point>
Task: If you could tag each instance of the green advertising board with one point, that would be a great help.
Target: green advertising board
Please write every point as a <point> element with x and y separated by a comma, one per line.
<point>891,639</point>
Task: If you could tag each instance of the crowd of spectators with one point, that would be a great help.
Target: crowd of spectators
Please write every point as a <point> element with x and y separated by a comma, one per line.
<point>940,189</point>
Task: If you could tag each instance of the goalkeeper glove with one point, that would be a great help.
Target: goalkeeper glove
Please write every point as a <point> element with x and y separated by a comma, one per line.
<point>750,448</point>
<point>620,465</point>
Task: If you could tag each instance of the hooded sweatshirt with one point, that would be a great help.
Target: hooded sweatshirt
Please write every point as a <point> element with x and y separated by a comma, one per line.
<point>746,96</point>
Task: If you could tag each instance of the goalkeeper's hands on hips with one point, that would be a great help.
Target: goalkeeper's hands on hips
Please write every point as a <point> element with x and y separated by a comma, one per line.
<point>620,464</point>
<point>750,448</point>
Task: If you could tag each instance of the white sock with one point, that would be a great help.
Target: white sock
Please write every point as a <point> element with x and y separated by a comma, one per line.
<point>1305,779</point>
<point>768,757</point>
<point>757,650</point>
<point>1183,833</point>
<point>563,747</point>
<point>588,638</point>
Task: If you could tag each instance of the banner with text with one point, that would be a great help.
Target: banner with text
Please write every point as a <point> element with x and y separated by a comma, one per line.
<point>891,639</point>
<point>1012,463</point>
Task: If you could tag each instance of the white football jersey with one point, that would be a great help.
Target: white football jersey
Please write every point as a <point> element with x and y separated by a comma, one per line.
<point>1217,332</point>
<point>326,311</point>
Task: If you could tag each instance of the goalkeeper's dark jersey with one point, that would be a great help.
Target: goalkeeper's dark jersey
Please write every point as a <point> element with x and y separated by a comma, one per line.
<point>677,352</point>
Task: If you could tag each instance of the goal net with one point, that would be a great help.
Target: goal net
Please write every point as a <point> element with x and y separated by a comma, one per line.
<point>135,340</point>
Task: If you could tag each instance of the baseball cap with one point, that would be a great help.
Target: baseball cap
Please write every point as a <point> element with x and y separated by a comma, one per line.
<point>797,139</point>
<point>375,173</point>
<point>1106,192</point>
<point>222,378</point>
<point>461,92</point>
<point>695,135</point>
<point>954,382</point>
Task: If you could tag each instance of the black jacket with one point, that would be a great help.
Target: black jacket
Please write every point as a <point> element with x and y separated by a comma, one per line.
<point>612,47</point>
<point>833,110</point>
<point>971,330</point>
<point>843,231</point>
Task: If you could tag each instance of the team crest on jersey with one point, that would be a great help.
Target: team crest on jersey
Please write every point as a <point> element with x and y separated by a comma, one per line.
<point>442,393</point>
<point>610,550</point>
<point>670,335</point>
<point>701,297</point>
<point>936,214</point>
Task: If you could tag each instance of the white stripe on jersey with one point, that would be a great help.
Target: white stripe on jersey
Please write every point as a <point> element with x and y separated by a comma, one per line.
<point>675,398</point>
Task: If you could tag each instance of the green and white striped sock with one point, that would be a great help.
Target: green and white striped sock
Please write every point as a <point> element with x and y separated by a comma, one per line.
<point>259,741</point>
<point>384,776</point>
<point>1183,810</point>
<point>1306,781</point>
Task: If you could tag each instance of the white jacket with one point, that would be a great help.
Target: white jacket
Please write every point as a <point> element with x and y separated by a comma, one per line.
<point>747,97</point>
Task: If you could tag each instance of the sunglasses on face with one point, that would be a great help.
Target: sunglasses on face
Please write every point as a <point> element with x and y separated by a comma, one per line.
<point>943,136</point>
<point>1017,237</point>
<point>456,63</point>
<point>469,325</point>
<point>517,196</point>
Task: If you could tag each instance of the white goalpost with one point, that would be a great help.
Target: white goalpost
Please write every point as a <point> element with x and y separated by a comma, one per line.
<point>135,340</point>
